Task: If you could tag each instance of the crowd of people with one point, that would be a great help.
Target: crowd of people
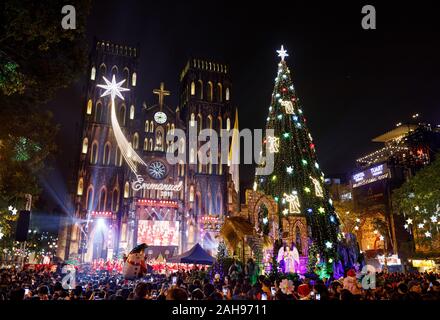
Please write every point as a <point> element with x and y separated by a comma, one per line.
<point>201,284</point>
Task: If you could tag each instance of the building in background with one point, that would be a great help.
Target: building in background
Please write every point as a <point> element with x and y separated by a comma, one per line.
<point>184,203</point>
<point>406,149</point>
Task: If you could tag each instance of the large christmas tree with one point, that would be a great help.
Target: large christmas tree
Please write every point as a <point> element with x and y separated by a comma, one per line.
<point>297,182</point>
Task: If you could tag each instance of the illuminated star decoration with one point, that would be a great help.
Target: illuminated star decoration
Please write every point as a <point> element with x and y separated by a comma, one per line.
<point>282,53</point>
<point>289,170</point>
<point>434,219</point>
<point>14,211</point>
<point>428,234</point>
<point>286,212</point>
<point>10,208</point>
<point>329,245</point>
<point>409,221</point>
<point>381,238</point>
<point>420,225</point>
<point>406,226</point>
<point>356,228</point>
<point>265,220</point>
<point>114,89</point>
<point>321,210</point>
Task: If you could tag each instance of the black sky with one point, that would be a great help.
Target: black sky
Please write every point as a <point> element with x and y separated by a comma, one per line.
<point>354,84</point>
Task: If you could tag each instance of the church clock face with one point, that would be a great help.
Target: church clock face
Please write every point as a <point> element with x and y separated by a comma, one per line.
<point>160,117</point>
<point>157,170</point>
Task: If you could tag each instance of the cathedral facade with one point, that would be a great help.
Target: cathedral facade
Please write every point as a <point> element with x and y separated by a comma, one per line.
<point>179,204</point>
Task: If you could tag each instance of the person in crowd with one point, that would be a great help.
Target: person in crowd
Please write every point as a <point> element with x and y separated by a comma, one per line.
<point>201,284</point>
<point>351,283</point>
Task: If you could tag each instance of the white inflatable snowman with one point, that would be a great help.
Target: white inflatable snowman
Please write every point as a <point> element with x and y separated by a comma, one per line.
<point>134,266</point>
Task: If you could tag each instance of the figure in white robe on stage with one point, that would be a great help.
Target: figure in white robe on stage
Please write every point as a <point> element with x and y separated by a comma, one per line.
<point>291,259</point>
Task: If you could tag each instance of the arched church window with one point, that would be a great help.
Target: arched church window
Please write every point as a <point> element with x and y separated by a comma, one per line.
<point>193,120</point>
<point>102,70</point>
<point>94,153</point>
<point>201,89</point>
<point>114,71</point>
<point>193,88</point>
<point>219,204</point>
<point>135,141</point>
<point>89,198</point>
<point>150,144</point>
<point>93,73</point>
<point>115,200</point>
<point>106,158</point>
<point>228,124</point>
<point>219,92</point>
<point>118,157</point>
<point>191,193</point>
<point>220,164</point>
<point>182,169</point>
<point>102,199</point>
<point>227,94</point>
<point>145,144</point>
<point>132,112</point>
<point>89,106</point>
<point>147,126</point>
<point>199,123</point>
<point>80,188</point>
<point>85,145</point>
<point>122,115</point>
<point>152,126</point>
<point>159,139</point>
<point>126,189</point>
<point>209,91</point>
<point>133,79</point>
<point>263,219</point>
<point>98,113</point>
<point>220,125</point>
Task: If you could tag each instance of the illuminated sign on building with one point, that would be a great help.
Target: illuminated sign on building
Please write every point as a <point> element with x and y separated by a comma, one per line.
<point>371,175</point>
<point>359,176</point>
<point>140,183</point>
<point>378,170</point>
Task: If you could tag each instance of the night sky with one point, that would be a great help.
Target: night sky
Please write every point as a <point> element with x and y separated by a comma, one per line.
<point>354,84</point>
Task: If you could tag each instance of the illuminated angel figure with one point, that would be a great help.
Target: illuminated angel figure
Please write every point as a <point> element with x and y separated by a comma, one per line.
<point>293,200</point>
<point>288,106</point>
<point>274,144</point>
<point>318,187</point>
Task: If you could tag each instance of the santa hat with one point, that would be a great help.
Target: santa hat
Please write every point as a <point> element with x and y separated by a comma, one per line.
<point>304,290</point>
<point>138,248</point>
<point>351,273</point>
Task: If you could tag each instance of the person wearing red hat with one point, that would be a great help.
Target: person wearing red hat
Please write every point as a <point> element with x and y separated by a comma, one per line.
<point>304,292</point>
<point>351,284</point>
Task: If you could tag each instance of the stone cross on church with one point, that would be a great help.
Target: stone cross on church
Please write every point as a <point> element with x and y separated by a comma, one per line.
<point>161,93</point>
